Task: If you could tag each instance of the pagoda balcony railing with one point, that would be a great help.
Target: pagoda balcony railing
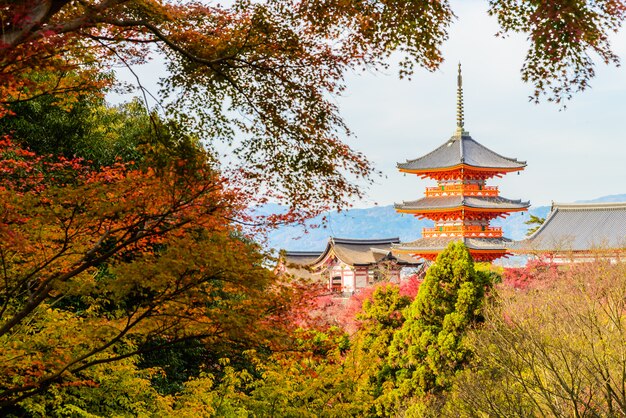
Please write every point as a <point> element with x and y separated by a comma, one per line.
<point>468,231</point>
<point>462,190</point>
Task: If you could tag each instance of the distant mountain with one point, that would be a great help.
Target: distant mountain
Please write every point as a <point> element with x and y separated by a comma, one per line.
<point>385,222</point>
<point>606,199</point>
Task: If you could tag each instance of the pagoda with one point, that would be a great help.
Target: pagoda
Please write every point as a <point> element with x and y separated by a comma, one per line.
<point>462,204</point>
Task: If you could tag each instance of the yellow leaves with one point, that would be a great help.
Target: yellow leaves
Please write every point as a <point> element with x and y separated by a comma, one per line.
<point>205,397</point>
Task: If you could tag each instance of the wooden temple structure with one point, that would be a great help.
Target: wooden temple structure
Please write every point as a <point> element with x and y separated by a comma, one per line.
<point>348,265</point>
<point>462,204</point>
<point>579,232</point>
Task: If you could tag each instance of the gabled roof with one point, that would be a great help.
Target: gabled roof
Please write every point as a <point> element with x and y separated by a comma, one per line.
<point>353,252</point>
<point>462,150</point>
<point>301,257</point>
<point>449,202</point>
<point>579,227</point>
<point>362,252</point>
<point>296,262</point>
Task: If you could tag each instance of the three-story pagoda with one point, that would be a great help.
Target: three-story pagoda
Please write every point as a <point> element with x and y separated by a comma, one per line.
<point>462,204</point>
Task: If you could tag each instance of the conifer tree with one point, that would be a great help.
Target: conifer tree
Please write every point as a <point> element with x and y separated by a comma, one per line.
<point>430,348</point>
<point>380,318</point>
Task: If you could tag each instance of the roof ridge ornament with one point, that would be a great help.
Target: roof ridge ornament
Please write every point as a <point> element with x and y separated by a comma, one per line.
<point>460,122</point>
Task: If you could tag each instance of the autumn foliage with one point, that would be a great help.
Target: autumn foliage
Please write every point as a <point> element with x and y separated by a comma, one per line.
<point>98,265</point>
<point>553,350</point>
<point>130,280</point>
<point>535,273</point>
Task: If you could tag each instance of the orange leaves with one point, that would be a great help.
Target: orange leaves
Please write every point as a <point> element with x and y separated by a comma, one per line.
<point>97,264</point>
<point>564,36</point>
<point>256,74</point>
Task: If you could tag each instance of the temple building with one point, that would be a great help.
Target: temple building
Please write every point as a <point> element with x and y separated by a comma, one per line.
<point>348,265</point>
<point>575,232</point>
<point>462,204</point>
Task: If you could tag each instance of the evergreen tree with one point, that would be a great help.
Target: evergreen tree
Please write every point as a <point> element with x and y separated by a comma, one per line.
<point>534,223</point>
<point>429,348</point>
<point>381,317</point>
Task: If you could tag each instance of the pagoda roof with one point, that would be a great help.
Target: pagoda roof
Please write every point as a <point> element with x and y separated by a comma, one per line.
<point>458,151</point>
<point>451,202</point>
<point>440,243</point>
<point>579,227</point>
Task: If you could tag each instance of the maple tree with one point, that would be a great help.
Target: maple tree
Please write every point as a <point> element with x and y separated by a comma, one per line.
<point>99,265</point>
<point>259,75</point>
<point>262,75</point>
<point>564,37</point>
<point>536,272</point>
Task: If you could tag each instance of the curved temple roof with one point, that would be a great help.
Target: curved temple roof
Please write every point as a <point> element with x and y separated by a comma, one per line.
<point>362,252</point>
<point>579,227</point>
<point>301,257</point>
<point>351,251</point>
<point>449,202</point>
<point>462,150</point>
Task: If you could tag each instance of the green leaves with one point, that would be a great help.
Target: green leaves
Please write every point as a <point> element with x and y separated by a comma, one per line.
<point>430,347</point>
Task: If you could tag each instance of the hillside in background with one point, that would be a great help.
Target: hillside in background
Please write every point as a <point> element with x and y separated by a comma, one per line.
<point>384,222</point>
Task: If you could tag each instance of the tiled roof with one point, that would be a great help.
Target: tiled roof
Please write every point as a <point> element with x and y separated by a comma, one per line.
<point>579,227</point>
<point>440,243</point>
<point>296,262</point>
<point>462,150</point>
<point>357,252</point>
<point>356,241</point>
<point>354,252</point>
<point>301,257</point>
<point>495,202</point>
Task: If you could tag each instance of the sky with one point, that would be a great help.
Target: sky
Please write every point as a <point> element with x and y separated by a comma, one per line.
<point>574,154</point>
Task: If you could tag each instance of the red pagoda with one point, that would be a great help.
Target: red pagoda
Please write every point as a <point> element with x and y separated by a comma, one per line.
<point>462,205</point>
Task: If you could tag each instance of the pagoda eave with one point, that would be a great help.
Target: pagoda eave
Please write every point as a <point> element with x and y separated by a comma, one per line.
<point>477,255</point>
<point>462,205</point>
<point>492,170</point>
<point>426,211</point>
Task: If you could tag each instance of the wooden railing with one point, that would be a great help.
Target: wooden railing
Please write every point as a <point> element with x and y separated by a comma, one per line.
<point>462,190</point>
<point>468,231</point>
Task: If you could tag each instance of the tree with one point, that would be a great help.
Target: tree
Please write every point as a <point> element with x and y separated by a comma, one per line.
<point>91,130</point>
<point>557,348</point>
<point>562,37</point>
<point>431,345</point>
<point>380,318</point>
<point>101,265</point>
<point>261,75</point>
<point>534,224</point>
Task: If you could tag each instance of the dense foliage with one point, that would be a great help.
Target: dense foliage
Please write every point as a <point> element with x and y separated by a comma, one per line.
<point>430,348</point>
<point>130,280</point>
<point>112,257</point>
<point>556,349</point>
<point>261,75</point>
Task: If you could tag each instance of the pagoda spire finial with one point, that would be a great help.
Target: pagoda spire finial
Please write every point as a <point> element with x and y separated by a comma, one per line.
<point>459,105</point>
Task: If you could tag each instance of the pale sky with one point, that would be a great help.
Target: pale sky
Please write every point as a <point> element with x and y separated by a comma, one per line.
<point>573,154</point>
